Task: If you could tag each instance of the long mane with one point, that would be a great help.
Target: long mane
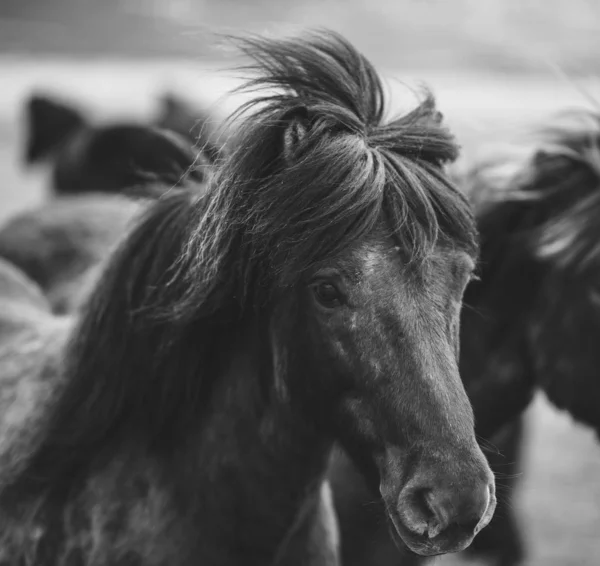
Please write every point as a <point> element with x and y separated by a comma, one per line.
<point>315,169</point>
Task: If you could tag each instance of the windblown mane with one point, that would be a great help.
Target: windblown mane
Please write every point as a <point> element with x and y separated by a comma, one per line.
<point>315,167</point>
<point>545,199</point>
<point>315,170</point>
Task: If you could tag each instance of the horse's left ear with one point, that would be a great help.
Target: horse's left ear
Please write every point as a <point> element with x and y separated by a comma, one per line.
<point>295,131</point>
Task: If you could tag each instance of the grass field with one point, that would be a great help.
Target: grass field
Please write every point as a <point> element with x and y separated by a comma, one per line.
<point>560,496</point>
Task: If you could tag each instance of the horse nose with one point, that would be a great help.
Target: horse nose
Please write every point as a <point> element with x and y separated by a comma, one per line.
<point>444,515</point>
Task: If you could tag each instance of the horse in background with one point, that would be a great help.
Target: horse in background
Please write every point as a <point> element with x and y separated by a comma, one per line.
<point>549,200</point>
<point>60,244</point>
<point>530,320</point>
<point>538,217</point>
<point>308,297</point>
<point>88,157</point>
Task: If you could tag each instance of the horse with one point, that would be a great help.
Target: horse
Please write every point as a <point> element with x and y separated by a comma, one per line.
<point>538,217</point>
<point>529,321</point>
<point>548,199</point>
<point>60,243</point>
<point>311,295</point>
<point>88,157</point>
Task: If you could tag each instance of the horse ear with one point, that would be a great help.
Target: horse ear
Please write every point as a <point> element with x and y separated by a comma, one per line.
<point>293,135</point>
<point>48,123</point>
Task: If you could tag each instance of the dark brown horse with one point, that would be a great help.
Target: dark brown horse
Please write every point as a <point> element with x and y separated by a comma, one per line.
<point>530,321</point>
<point>110,158</point>
<point>311,296</point>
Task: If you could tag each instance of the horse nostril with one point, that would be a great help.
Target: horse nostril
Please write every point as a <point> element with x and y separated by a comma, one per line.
<point>421,512</point>
<point>439,514</point>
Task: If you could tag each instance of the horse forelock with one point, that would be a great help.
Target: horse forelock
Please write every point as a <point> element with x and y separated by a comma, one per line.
<point>316,168</point>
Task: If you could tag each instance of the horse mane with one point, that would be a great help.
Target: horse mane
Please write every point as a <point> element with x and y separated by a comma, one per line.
<point>543,198</point>
<point>315,170</point>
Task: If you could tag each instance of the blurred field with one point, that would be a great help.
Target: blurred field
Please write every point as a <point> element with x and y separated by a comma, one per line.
<point>560,502</point>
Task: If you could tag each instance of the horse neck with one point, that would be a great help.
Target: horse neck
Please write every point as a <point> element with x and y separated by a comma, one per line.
<point>259,464</point>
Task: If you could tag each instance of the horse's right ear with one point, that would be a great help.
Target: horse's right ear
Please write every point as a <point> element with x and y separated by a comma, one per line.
<point>48,123</point>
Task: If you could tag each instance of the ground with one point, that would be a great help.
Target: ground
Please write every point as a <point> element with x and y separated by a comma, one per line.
<point>560,496</point>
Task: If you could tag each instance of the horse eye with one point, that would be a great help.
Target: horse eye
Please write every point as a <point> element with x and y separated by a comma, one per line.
<point>328,295</point>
